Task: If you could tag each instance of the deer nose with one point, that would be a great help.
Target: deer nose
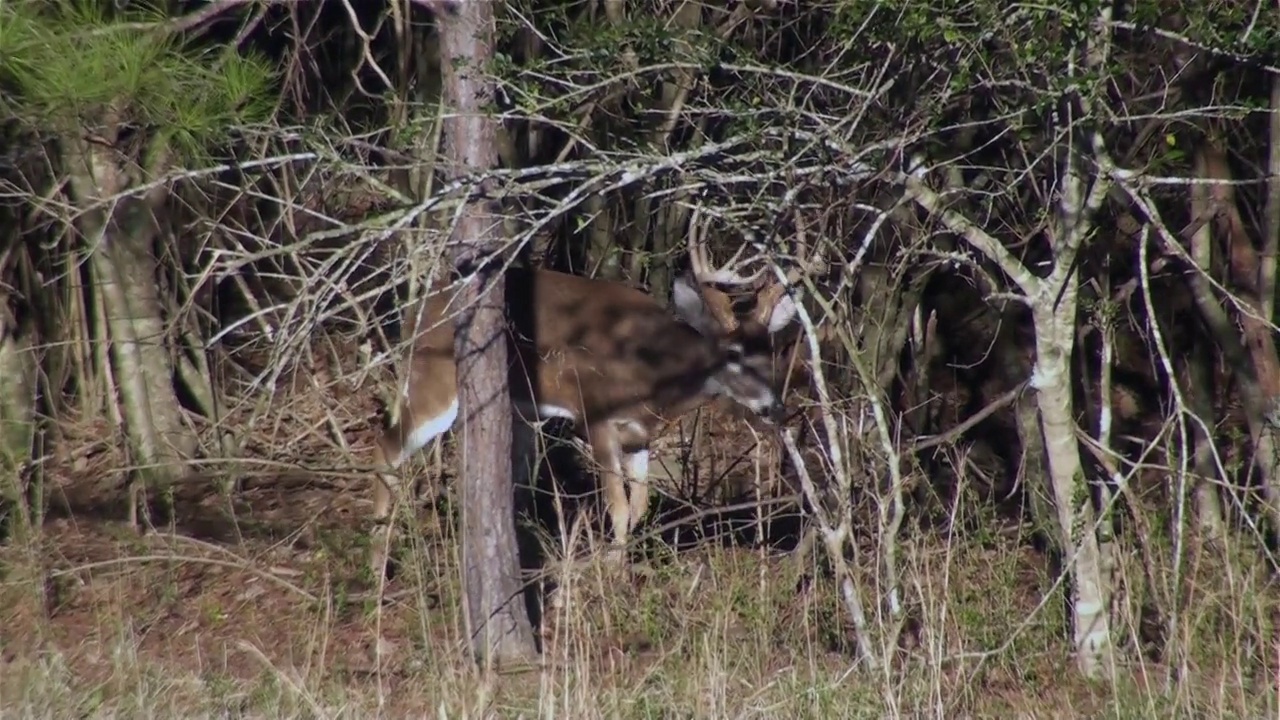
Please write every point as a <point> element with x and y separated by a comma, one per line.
<point>774,414</point>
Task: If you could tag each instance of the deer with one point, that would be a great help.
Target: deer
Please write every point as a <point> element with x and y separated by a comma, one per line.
<point>610,358</point>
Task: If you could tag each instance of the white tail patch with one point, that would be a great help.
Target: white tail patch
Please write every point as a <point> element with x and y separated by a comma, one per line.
<point>427,431</point>
<point>783,313</point>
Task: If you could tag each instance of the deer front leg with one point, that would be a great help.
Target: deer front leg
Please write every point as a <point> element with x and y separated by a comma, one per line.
<point>633,439</point>
<point>604,446</point>
<point>636,464</point>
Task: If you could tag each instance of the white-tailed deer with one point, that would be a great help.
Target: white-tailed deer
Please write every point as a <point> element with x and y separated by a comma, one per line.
<point>606,356</point>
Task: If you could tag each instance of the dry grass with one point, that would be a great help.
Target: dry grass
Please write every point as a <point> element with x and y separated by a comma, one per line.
<point>263,608</point>
<point>101,623</point>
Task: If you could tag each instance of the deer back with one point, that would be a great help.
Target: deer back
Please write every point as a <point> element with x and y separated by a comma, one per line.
<point>589,350</point>
<point>604,349</point>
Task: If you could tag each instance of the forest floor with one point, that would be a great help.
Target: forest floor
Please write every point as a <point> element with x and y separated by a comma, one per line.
<point>266,609</point>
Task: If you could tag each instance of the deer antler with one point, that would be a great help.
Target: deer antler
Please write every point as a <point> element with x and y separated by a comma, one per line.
<point>807,261</point>
<point>729,273</point>
<point>769,290</point>
<point>718,303</point>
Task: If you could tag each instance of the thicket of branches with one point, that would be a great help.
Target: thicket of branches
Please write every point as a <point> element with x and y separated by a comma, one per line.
<point>1050,232</point>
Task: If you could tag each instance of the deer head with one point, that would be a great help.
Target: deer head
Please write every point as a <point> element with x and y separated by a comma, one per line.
<point>751,340</point>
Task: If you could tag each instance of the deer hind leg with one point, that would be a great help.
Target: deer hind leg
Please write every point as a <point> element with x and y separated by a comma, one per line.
<point>414,431</point>
<point>604,446</point>
<point>399,443</point>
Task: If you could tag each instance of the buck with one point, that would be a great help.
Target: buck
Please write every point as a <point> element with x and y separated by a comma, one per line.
<point>609,358</point>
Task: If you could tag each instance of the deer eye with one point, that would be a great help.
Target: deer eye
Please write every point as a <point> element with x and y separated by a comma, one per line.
<point>733,354</point>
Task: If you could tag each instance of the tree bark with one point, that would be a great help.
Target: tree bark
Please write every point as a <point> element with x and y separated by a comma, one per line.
<point>1054,304</point>
<point>17,425</point>
<point>498,623</point>
<point>124,267</point>
<point>1090,602</point>
<point>1034,470</point>
<point>1253,351</point>
<point>1210,520</point>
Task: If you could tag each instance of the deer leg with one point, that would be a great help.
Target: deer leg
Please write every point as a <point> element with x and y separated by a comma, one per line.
<point>436,464</point>
<point>397,444</point>
<point>604,445</point>
<point>637,467</point>
<point>633,439</point>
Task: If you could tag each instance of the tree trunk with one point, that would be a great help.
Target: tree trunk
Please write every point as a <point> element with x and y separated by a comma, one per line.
<point>604,256</point>
<point>498,623</point>
<point>1055,340</point>
<point>1054,303</point>
<point>1251,348</point>
<point>1208,507</point>
<point>124,270</point>
<point>17,426</point>
<point>1033,464</point>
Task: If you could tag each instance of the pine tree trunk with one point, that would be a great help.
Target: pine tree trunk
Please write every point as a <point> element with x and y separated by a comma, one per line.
<point>124,269</point>
<point>17,425</point>
<point>498,622</point>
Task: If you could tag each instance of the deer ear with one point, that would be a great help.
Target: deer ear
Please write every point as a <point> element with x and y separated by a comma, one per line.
<point>776,306</point>
<point>690,306</point>
<point>784,311</point>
